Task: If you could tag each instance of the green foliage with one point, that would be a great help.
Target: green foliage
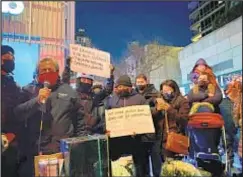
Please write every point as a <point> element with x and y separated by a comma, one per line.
<point>119,170</point>
<point>179,169</point>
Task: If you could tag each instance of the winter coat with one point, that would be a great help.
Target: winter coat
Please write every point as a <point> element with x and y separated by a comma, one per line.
<point>94,109</point>
<point>93,113</point>
<point>177,116</point>
<point>150,94</point>
<point>62,117</point>
<point>202,96</point>
<point>10,98</point>
<point>123,145</point>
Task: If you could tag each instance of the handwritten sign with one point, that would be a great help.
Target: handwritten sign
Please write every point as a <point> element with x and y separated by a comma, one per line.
<point>129,120</point>
<point>90,61</point>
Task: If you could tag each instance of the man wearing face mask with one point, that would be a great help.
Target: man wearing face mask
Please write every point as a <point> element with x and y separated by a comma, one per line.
<point>93,101</point>
<point>98,111</point>
<point>10,98</point>
<point>201,93</point>
<point>52,109</point>
<point>126,96</point>
<point>153,141</point>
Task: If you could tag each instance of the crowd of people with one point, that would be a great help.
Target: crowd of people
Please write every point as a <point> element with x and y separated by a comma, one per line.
<point>49,109</point>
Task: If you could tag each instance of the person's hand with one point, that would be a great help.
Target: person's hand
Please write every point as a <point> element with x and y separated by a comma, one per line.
<point>210,95</point>
<point>133,135</point>
<point>112,68</point>
<point>162,105</point>
<point>5,142</point>
<point>108,133</point>
<point>44,93</point>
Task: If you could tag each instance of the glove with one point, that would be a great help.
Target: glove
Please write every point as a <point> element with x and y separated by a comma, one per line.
<point>43,95</point>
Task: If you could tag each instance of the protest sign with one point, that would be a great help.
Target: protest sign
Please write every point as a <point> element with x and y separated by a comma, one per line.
<point>129,120</point>
<point>90,61</point>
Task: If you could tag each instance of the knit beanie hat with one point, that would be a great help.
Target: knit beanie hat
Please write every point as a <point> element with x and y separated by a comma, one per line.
<point>124,80</point>
<point>6,49</point>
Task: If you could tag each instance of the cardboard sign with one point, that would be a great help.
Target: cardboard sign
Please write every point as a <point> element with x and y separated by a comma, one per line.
<point>129,120</point>
<point>89,61</point>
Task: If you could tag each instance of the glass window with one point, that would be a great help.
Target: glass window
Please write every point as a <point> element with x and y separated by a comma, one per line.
<point>223,65</point>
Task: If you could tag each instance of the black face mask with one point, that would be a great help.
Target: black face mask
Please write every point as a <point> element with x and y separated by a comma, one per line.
<point>84,87</point>
<point>8,66</point>
<point>124,93</point>
<point>141,87</point>
<point>168,96</point>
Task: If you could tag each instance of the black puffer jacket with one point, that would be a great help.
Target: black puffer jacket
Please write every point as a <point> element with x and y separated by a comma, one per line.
<point>10,98</point>
<point>150,94</point>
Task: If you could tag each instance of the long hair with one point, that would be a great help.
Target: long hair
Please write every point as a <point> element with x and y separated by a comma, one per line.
<point>172,84</point>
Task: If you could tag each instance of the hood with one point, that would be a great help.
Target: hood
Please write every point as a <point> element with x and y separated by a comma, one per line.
<point>200,61</point>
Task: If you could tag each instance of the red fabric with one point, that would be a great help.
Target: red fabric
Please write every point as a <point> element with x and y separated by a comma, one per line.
<point>206,120</point>
<point>50,77</point>
<point>10,137</point>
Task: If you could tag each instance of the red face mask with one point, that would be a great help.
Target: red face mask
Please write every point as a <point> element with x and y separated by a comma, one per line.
<point>50,77</point>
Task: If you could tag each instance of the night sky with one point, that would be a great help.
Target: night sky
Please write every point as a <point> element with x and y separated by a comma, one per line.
<point>112,25</point>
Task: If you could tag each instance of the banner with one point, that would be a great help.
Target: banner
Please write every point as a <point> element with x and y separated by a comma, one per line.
<point>90,61</point>
<point>129,120</point>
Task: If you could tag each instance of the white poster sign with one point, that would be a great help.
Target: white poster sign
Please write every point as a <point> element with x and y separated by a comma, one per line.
<point>90,61</point>
<point>129,120</point>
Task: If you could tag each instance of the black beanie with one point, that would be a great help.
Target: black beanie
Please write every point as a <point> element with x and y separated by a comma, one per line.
<point>6,49</point>
<point>124,80</point>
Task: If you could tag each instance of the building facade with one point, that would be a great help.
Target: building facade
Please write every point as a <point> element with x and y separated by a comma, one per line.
<point>47,23</point>
<point>204,14</point>
<point>166,66</point>
<point>222,49</point>
<point>82,39</point>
